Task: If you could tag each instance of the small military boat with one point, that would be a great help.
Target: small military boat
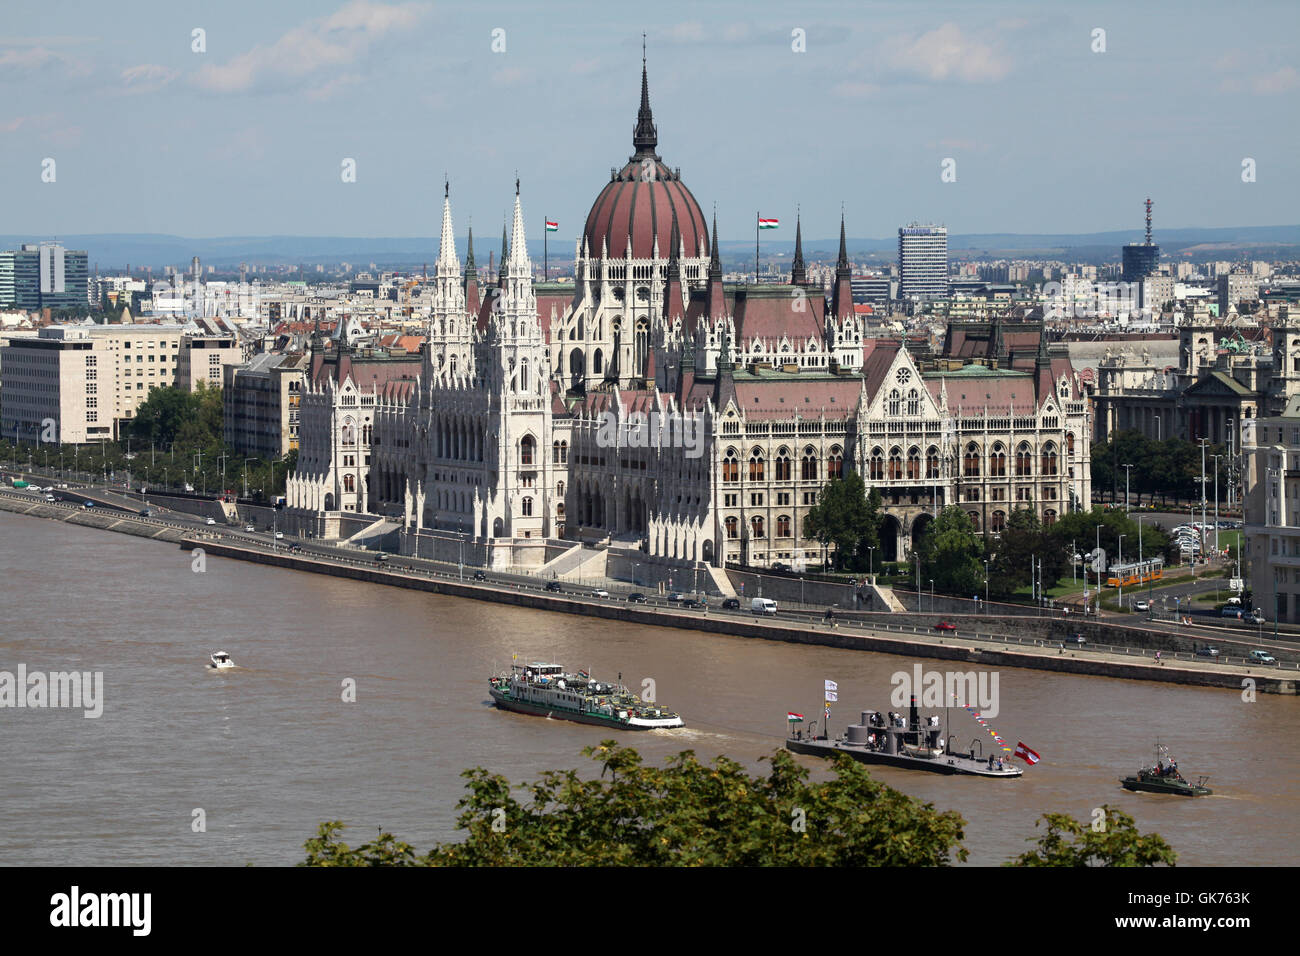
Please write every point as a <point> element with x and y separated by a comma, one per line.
<point>220,661</point>
<point>906,743</point>
<point>545,690</point>
<point>1163,777</point>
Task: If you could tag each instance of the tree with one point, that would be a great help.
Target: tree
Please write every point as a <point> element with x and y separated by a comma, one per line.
<point>165,414</point>
<point>1116,843</point>
<point>844,517</point>
<point>691,814</point>
<point>1024,541</point>
<point>951,550</point>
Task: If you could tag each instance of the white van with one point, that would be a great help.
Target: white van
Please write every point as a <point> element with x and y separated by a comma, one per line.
<point>763,606</point>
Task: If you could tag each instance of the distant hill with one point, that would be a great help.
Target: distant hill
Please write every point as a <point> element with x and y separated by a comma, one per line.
<point>114,251</point>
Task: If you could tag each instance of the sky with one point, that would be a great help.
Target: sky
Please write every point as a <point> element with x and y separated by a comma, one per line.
<point>244,128</point>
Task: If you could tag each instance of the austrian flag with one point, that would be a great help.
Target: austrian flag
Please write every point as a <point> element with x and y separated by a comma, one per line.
<point>1025,754</point>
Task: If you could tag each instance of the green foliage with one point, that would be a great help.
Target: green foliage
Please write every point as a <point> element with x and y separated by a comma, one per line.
<point>165,415</point>
<point>1081,527</point>
<point>845,517</point>
<point>951,553</point>
<point>1171,467</point>
<point>1068,842</point>
<point>1024,540</point>
<point>684,814</point>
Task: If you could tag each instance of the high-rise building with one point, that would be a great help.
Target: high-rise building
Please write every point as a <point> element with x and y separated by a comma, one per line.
<point>1141,259</point>
<point>922,261</point>
<point>43,275</point>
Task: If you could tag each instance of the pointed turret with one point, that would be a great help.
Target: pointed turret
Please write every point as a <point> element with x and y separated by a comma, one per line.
<point>518,240</point>
<point>798,273</point>
<point>717,301</point>
<point>448,263</point>
<point>505,251</point>
<point>842,300</point>
<point>673,287</point>
<point>645,137</point>
<point>472,301</point>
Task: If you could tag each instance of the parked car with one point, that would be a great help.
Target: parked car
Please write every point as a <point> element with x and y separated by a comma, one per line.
<point>211,521</point>
<point>636,597</point>
<point>50,498</point>
<point>88,505</point>
<point>1141,606</point>
<point>554,587</point>
<point>480,576</point>
<point>945,626</point>
<point>1207,651</point>
<point>1262,657</point>
<point>1231,610</point>
<point>599,593</point>
<point>731,604</point>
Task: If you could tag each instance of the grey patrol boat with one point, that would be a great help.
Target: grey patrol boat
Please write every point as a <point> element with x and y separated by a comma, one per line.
<point>911,745</point>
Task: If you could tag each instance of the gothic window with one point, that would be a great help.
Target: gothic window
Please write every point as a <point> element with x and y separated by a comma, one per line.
<point>526,450</point>
<point>523,375</point>
<point>783,464</point>
<point>1069,444</point>
<point>877,471</point>
<point>1049,459</point>
<point>756,465</point>
<point>348,434</point>
<point>913,463</point>
<point>642,345</point>
<point>971,461</point>
<point>349,484</point>
<point>998,462</point>
<point>526,508</point>
<point>732,527</point>
<point>895,404</point>
<point>913,403</point>
<point>932,462</point>
<point>576,362</point>
<point>559,490</point>
<point>895,463</point>
<point>1049,518</point>
<point>1024,461</point>
<point>730,466</point>
<point>975,520</point>
<point>783,526</point>
<point>365,434</point>
<point>808,465</point>
<point>998,522</point>
<point>835,464</point>
<point>597,362</point>
<point>756,526</point>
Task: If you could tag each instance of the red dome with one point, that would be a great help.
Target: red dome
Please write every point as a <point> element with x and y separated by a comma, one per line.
<point>641,198</point>
<point>629,206</point>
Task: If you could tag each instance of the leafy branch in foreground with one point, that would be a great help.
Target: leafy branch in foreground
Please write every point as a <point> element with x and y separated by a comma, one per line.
<point>685,813</point>
<point>1118,843</point>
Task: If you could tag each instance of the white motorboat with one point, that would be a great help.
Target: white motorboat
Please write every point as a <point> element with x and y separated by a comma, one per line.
<point>221,661</point>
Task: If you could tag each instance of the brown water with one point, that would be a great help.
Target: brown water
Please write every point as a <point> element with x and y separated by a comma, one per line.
<point>270,750</point>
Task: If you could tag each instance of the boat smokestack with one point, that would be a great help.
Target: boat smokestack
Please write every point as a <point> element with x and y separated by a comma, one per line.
<point>913,718</point>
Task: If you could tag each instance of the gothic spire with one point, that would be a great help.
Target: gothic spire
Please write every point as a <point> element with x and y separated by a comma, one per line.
<point>798,273</point>
<point>469,256</point>
<point>505,248</point>
<point>646,136</point>
<point>715,260</point>
<point>843,261</point>
<point>448,264</point>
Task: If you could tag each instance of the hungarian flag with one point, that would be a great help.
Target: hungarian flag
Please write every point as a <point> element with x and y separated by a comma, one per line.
<point>552,226</point>
<point>1025,754</point>
<point>794,718</point>
<point>768,223</point>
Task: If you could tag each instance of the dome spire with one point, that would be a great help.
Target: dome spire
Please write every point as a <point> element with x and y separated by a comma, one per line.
<point>646,137</point>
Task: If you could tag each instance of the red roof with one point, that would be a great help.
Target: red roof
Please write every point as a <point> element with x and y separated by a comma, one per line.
<point>629,206</point>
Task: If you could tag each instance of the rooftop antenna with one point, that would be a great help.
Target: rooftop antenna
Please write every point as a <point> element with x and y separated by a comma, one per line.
<point>1148,220</point>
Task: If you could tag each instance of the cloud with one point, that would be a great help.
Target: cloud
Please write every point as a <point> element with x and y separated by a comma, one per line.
<point>147,77</point>
<point>855,91</point>
<point>26,59</point>
<point>312,50</point>
<point>1279,81</point>
<point>690,32</point>
<point>946,53</point>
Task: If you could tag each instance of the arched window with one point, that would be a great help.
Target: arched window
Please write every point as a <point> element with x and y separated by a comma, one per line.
<point>1024,461</point>
<point>808,465</point>
<point>730,466</point>
<point>349,484</point>
<point>1069,444</point>
<point>913,403</point>
<point>835,464</point>
<point>526,509</point>
<point>783,526</point>
<point>732,526</point>
<point>932,462</point>
<point>998,462</point>
<point>1049,459</point>
<point>783,464</point>
<point>877,464</point>
<point>971,461</point>
<point>1049,518</point>
<point>975,519</point>
<point>756,464</point>
<point>526,450</point>
<point>559,490</point>
<point>895,404</point>
<point>913,463</point>
<point>523,375</point>
<point>756,527</point>
<point>895,463</point>
<point>998,522</point>
<point>598,362</point>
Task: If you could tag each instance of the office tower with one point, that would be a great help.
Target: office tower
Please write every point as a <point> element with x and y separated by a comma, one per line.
<point>922,261</point>
<point>1141,258</point>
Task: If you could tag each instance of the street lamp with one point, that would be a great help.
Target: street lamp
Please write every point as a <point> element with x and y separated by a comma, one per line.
<point>871,561</point>
<point>986,585</point>
<point>1120,577</point>
<point>1128,471</point>
<point>1159,429</point>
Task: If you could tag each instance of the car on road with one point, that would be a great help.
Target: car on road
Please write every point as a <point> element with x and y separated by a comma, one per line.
<point>1074,640</point>
<point>677,597</point>
<point>554,587</point>
<point>279,534</point>
<point>51,498</point>
<point>945,626</point>
<point>636,597</point>
<point>1231,610</point>
<point>1262,657</point>
<point>693,603</point>
<point>381,558</point>
<point>780,567</point>
<point>731,604</point>
<point>1141,606</point>
<point>146,512</point>
<point>480,576</point>
<point>211,521</point>
<point>295,548</point>
<point>88,504</point>
<point>1207,651</point>
<point>249,527</point>
<point>599,593</point>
